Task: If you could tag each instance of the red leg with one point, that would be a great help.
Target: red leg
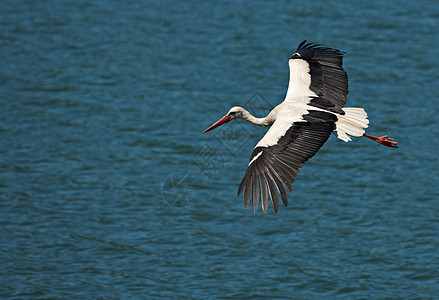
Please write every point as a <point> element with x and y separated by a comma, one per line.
<point>383,140</point>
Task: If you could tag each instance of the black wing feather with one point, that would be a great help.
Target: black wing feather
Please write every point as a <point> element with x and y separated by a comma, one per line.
<point>275,168</point>
<point>329,81</point>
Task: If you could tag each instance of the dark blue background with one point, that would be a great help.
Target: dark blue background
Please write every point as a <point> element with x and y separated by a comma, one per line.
<point>110,189</point>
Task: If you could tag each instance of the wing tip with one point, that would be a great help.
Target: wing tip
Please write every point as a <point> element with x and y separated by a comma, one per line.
<point>313,46</point>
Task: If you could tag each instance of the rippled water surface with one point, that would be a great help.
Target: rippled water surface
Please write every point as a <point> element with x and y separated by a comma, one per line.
<point>110,189</point>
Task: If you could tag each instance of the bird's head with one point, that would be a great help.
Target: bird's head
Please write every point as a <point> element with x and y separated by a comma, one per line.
<point>235,112</point>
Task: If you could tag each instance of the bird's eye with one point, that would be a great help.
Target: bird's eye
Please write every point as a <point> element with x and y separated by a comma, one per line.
<point>232,113</point>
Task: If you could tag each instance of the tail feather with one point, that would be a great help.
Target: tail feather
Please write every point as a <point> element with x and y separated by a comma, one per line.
<point>352,123</point>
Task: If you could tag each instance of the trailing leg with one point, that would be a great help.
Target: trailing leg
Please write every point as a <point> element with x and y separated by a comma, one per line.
<point>383,140</point>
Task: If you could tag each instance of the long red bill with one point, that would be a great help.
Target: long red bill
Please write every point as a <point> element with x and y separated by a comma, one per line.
<point>218,123</point>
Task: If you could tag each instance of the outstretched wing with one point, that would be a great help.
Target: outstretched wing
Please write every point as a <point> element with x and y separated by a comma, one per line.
<point>274,166</point>
<point>317,76</point>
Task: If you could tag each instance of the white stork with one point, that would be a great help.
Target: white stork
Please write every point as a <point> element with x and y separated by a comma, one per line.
<point>300,125</point>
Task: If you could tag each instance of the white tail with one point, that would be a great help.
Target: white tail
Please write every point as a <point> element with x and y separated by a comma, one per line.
<point>351,123</point>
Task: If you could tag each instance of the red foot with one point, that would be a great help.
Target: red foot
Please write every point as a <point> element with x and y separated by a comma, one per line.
<point>383,140</point>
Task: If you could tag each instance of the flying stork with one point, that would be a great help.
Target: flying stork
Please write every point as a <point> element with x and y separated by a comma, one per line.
<point>300,125</point>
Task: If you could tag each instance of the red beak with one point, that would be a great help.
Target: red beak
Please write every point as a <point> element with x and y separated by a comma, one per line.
<point>218,123</point>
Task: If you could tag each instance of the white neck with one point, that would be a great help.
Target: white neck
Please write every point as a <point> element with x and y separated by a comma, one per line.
<point>267,121</point>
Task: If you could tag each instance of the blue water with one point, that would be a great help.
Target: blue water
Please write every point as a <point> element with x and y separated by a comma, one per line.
<point>109,188</point>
